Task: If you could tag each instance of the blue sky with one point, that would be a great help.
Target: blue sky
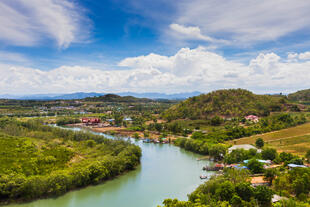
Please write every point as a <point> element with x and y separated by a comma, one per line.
<point>64,46</point>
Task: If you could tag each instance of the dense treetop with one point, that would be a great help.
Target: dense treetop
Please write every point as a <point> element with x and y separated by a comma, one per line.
<point>40,161</point>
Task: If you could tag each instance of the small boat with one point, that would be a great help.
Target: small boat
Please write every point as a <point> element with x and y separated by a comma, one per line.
<point>203,176</point>
<point>147,141</point>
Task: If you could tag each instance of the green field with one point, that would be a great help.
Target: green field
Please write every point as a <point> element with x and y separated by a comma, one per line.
<point>295,139</point>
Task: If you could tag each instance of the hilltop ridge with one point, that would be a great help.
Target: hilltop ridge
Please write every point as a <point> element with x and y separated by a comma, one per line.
<point>226,103</point>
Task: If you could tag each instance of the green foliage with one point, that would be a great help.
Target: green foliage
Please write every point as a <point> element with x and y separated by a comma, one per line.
<point>255,166</point>
<point>225,191</point>
<point>303,95</point>
<point>308,156</point>
<point>259,143</point>
<point>229,103</point>
<point>296,181</point>
<point>39,161</point>
<point>263,194</point>
<point>244,190</point>
<point>230,189</point>
<point>136,135</point>
<point>270,174</point>
<point>117,98</point>
<point>216,121</point>
<point>239,155</point>
<point>67,120</point>
<point>269,154</point>
<point>198,135</point>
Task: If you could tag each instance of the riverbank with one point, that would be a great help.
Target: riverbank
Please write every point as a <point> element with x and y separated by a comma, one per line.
<point>162,168</point>
<point>123,131</point>
<point>45,163</point>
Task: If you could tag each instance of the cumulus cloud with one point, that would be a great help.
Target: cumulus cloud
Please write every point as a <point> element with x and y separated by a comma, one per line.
<point>187,70</point>
<point>304,56</point>
<point>28,22</point>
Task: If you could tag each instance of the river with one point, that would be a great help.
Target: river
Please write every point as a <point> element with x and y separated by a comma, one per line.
<point>166,171</point>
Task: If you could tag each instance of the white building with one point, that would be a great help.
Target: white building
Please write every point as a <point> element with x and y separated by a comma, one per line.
<point>242,146</point>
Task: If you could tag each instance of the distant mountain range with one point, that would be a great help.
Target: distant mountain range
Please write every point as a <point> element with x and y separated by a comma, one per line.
<point>81,95</point>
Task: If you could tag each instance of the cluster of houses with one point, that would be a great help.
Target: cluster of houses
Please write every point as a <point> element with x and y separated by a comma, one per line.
<point>97,122</point>
<point>255,180</point>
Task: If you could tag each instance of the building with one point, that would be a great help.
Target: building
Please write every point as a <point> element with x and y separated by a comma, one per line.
<point>90,121</point>
<point>252,118</point>
<point>127,119</point>
<point>257,181</point>
<point>295,166</point>
<point>277,198</point>
<point>242,146</point>
<point>266,162</point>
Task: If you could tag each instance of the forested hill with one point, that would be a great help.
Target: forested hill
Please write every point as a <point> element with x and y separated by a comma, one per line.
<point>303,95</point>
<point>117,98</point>
<point>228,103</point>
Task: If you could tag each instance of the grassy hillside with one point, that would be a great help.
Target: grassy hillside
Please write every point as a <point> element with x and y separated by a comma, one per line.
<point>227,103</point>
<point>117,98</point>
<point>303,95</point>
<point>294,140</point>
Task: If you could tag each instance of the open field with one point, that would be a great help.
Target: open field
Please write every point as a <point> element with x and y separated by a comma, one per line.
<point>295,140</point>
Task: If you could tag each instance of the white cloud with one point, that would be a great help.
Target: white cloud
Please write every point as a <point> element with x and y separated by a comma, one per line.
<point>245,21</point>
<point>187,70</point>
<point>304,56</point>
<point>191,33</point>
<point>28,22</point>
<point>12,57</point>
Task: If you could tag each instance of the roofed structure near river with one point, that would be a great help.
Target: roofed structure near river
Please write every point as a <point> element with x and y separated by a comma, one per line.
<point>242,146</point>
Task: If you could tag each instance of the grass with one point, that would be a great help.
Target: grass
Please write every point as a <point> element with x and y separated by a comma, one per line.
<point>295,139</point>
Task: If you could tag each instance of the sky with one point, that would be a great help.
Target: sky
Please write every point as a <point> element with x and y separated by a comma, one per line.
<point>167,46</point>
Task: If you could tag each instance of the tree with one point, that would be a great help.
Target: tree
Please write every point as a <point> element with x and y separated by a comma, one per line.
<point>270,175</point>
<point>216,121</point>
<point>217,151</point>
<point>255,166</point>
<point>146,134</point>
<point>158,127</point>
<point>136,135</point>
<point>198,135</point>
<point>226,191</point>
<point>263,194</point>
<point>269,154</point>
<point>284,156</point>
<point>259,143</point>
<point>296,161</point>
<point>308,156</point>
<point>245,190</point>
<point>118,119</point>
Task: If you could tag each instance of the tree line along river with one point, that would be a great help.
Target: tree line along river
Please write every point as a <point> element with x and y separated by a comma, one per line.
<point>166,171</point>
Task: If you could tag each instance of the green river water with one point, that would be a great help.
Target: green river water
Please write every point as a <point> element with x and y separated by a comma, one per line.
<point>166,171</point>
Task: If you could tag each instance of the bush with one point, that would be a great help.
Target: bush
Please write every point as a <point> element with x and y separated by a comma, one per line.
<point>255,166</point>
<point>263,194</point>
<point>269,154</point>
<point>216,121</point>
<point>259,143</point>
